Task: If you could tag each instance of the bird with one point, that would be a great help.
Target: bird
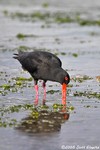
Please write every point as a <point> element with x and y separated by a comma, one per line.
<point>46,66</point>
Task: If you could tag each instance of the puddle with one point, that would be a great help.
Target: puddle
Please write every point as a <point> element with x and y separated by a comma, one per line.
<point>73,35</point>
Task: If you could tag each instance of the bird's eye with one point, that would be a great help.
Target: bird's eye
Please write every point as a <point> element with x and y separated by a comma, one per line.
<point>66,78</point>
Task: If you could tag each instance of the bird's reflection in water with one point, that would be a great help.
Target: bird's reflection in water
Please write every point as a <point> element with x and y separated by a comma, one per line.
<point>43,121</point>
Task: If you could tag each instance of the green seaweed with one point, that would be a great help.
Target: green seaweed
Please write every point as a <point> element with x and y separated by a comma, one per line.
<point>5,12</point>
<point>16,108</point>
<point>52,91</point>
<point>23,79</point>
<point>57,107</point>
<point>10,123</point>
<point>45,5</point>
<point>75,55</point>
<point>81,79</point>
<point>23,48</point>
<point>18,83</point>
<point>88,94</point>
<point>31,16</point>
<point>63,53</point>
<point>35,113</point>
<point>5,86</point>
<point>23,36</point>
<point>20,36</point>
<point>60,19</point>
<point>47,17</point>
<point>39,15</point>
<point>89,22</point>
<point>3,93</point>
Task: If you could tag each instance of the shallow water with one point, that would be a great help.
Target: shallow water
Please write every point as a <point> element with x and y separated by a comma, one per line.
<point>82,128</point>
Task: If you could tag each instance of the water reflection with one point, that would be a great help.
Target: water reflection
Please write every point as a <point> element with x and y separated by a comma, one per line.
<point>43,121</point>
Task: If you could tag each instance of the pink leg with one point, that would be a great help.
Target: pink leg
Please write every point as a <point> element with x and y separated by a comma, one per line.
<point>37,95</point>
<point>44,96</point>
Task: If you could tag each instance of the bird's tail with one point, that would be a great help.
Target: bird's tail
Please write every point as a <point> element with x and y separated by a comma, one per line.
<point>16,56</point>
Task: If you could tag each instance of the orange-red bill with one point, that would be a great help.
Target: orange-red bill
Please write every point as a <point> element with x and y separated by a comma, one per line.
<point>64,90</point>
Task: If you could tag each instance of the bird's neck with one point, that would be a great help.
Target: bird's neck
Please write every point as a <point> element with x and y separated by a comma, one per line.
<point>58,75</point>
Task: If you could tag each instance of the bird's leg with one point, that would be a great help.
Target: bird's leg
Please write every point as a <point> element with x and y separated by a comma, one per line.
<point>64,88</point>
<point>44,88</point>
<point>37,93</point>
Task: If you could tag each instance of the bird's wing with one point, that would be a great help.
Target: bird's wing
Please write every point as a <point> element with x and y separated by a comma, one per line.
<point>31,61</point>
<point>46,58</point>
<point>26,61</point>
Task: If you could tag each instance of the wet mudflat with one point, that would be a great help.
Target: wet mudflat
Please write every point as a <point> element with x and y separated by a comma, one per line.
<point>71,30</point>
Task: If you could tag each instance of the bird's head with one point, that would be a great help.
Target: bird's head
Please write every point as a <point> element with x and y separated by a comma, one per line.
<point>61,76</point>
<point>66,79</point>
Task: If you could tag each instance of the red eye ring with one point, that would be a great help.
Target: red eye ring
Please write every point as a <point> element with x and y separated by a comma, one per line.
<point>66,78</point>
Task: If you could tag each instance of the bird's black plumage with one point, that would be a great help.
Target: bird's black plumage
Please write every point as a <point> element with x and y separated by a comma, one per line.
<point>42,65</point>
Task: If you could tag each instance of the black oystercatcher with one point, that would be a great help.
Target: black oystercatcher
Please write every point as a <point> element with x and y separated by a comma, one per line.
<point>44,66</point>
